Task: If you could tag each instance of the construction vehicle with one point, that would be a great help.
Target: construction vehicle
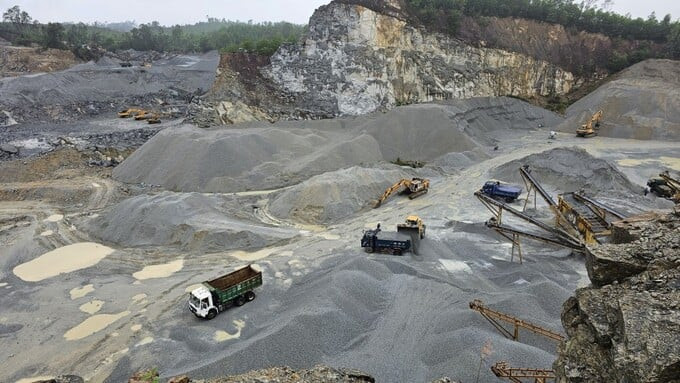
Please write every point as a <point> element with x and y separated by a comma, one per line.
<point>379,241</point>
<point>519,375</point>
<point>412,225</point>
<point>215,296</point>
<point>494,316</point>
<point>588,129</point>
<point>665,186</point>
<point>414,187</point>
<point>495,189</point>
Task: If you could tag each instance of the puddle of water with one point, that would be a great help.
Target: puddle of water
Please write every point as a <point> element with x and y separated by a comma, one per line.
<point>144,341</point>
<point>257,255</point>
<point>34,379</point>
<point>92,307</point>
<point>221,336</point>
<point>80,292</point>
<point>455,266</point>
<point>54,218</point>
<point>92,325</point>
<point>136,327</point>
<point>159,271</point>
<point>3,284</point>
<point>96,185</point>
<point>46,233</point>
<point>62,260</point>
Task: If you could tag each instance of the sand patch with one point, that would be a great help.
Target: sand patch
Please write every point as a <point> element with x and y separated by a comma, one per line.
<point>35,379</point>
<point>257,255</point>
<point>62,260</point>
<point>671,162</point>
<point>144,341</point>
<point>329,236</point>
<point>221,336</point>
<point>80,292</point>
<point>96,185</point>
<point>46,233</point>
<point>455,266</point>
<point>139,297</point>
<point>136,327</point>
<point>92,307</point>
<point>54,218</point>
<point>93,324</point>
<point>159,271</point>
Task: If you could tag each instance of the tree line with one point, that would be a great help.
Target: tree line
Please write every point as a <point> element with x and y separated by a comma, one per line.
<point>446,15</point>
<point>263,38</point>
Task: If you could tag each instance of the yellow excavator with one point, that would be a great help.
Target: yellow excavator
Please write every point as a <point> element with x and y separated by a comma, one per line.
<point>414,187</point>
<point>588,129</point>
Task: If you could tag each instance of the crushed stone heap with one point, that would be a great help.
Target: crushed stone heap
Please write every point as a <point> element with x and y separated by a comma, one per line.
<point>625,327</point>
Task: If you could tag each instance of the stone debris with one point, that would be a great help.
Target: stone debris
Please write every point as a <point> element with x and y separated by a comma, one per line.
<point>625,326</point>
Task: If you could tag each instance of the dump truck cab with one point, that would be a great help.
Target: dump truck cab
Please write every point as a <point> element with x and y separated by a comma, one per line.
<point>497,190</point>
<point>201,302</point>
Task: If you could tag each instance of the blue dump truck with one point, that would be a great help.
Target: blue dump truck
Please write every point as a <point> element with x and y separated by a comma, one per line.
<point>380,241</point>
<point>505,192</point>
<point>215,296</point>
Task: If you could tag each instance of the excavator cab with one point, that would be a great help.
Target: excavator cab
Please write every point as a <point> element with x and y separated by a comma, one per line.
<point>588,129</point>
<point>414,187</point>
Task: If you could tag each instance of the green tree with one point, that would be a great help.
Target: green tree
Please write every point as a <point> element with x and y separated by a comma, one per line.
<point>53,35</point>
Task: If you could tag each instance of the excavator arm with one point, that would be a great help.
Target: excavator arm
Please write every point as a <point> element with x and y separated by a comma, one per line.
<point>391,190</point>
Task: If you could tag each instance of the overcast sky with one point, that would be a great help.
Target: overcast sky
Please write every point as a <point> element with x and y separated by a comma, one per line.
<point>170,12</point>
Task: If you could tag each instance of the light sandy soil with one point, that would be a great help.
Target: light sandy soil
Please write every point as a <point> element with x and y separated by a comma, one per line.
<point>74,305</point>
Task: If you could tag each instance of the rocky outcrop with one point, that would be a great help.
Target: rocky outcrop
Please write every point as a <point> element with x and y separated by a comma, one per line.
<point>624,328</point>
<point>355,60</point>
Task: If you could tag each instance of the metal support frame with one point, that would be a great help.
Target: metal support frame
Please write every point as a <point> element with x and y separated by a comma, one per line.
<point>503,370</point>
<point>494,316</point>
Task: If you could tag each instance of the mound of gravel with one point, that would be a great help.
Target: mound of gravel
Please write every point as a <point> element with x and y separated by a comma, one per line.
<point>259,156</point>
<point>230,160</point>
<point>568,170</point>
<point>641,102</point>
<point>193,222</point>
<point>330,197</point>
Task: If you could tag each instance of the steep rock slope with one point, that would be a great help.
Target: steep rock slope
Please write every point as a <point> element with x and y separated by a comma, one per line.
<point>641,102</point>
<point>625,326</point>
<point>355,60</point>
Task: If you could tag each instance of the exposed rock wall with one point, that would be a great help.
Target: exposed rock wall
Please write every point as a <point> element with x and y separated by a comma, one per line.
<point>624,328</point>
<point>354,60</point>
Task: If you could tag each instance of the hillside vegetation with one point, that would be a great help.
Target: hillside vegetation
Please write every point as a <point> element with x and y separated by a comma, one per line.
<point>19,28</point>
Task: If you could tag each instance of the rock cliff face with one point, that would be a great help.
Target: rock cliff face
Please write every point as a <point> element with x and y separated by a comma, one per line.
<point>356,60</point>
<point>624,328</point>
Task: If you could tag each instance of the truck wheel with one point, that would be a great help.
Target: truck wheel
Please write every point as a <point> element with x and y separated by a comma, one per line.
<point>211,314</point>
<point>240,301</point>
<point>250,296</point>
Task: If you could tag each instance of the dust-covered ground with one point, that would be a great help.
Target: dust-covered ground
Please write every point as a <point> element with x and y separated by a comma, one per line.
<point>120,305</point>
<point>96,264</point>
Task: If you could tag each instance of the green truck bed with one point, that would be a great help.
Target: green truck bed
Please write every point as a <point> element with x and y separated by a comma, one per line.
<point>234,284</point>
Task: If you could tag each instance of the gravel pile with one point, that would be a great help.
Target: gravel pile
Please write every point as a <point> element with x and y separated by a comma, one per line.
<point>333,196</point>
<point>569,169</point>
<point>193,222</point>
<point>643,103</point>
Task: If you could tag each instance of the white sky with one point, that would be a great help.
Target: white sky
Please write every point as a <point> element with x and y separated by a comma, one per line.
<point>170,12</point>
